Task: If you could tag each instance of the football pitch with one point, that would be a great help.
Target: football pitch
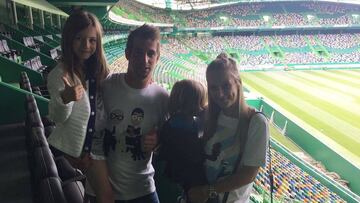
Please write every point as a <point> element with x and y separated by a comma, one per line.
<point>326,100</point>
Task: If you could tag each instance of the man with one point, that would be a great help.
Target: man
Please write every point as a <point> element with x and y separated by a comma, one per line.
<point>135,108</point>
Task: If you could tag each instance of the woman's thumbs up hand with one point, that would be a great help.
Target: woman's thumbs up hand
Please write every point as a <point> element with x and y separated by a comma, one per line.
<point>71,93</point>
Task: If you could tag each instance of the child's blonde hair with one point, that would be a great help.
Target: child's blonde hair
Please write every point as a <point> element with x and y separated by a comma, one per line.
<point>188,97</point>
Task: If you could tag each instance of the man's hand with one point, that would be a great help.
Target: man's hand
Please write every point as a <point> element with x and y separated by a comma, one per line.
<point>149,141</point>
<point>71,93</point>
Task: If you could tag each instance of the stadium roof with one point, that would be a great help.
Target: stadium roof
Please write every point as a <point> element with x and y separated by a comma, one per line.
<point>42,5</point>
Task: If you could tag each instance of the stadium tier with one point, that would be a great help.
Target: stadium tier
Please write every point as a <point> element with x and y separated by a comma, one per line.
<point>245,15</point>
<point>313,111</point>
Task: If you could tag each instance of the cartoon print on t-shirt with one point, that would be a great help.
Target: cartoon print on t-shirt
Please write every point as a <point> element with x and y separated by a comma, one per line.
<point>133,135</point>
<point>116,116</point>
<point>109,140</point>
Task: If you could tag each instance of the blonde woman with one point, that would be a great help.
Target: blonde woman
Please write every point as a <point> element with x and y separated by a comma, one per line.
<point>241,133</point>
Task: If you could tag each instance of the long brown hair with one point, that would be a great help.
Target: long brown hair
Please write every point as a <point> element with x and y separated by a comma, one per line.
<point>96,64</point>
<point>226,64</point>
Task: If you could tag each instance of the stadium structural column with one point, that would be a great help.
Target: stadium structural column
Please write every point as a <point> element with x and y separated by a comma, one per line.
<point>51,20</point>
<point>59,21</point>
<point>14,12</point>
<point>283,132</point>
<point>272,117</point>
<point>42,20</point>
<point>31,17</point>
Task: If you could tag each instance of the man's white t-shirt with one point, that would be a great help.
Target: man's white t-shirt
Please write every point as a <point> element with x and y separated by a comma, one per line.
<point>131,114</point>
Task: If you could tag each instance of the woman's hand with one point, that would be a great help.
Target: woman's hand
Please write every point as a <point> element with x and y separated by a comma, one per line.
<point>71,93</point>
<point>82,163</point>
<point>198,194</point>
<point>98,178</point>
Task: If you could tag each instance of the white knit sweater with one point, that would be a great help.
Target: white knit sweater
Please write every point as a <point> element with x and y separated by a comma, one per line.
<point>71,119</point>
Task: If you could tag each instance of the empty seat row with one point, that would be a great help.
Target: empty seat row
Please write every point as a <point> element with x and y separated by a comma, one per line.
<point>14,55</point>
<point>291,182</point>
<point>35,64</point>
<point>54,180</point>
<point>30,42</point>
<point>26,85</point>
<point>55,54</point>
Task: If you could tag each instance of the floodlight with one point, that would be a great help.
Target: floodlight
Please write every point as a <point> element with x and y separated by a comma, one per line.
<point>224,18</point>
<point>266,18</point>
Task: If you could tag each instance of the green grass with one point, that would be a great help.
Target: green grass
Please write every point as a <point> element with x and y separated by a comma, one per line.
<point>328,101</point>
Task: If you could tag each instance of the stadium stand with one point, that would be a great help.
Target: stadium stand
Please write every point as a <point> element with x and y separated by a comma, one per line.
<point>262,50</point>
<point>244,15</point>
<point>291,183</point>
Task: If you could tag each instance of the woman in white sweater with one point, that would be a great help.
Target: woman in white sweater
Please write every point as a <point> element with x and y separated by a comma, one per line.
<point>75,102</point>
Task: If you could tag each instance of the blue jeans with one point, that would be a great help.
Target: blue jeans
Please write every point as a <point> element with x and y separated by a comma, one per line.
<point>150,198</point>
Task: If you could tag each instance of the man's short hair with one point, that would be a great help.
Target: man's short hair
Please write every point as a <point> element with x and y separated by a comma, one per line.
<point>144,32</point>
